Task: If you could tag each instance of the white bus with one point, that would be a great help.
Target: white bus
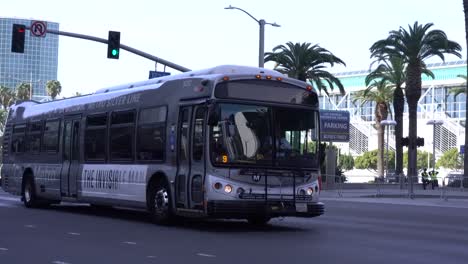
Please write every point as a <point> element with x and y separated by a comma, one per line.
<point>197,144</point>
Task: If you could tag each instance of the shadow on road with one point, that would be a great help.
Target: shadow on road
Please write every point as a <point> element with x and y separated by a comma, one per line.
<point>205,225</point>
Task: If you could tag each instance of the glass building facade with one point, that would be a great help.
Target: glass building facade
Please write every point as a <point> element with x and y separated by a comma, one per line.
<point>437,102</point>
<point>37,65</point>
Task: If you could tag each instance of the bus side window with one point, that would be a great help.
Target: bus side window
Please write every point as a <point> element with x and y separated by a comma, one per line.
<point>34,136</point>
<point>18,139</point>
<point>96,137</point>
<point>151,138</point>
<point>51,136</point>
<point>122,132</point>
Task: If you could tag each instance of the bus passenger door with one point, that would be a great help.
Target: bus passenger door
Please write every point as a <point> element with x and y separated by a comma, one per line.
<point>197,158</point>
<point>70,165</point>
<point>183,156</point>
<point>191,157</point>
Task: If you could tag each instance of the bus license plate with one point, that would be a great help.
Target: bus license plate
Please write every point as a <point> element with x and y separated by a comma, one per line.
<point>301,207</point>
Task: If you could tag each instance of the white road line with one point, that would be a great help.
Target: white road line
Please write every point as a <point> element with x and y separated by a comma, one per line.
<point>6,205</point>
<point>3,249</point>
<point>30,226</point>
<point>60,262</point>
<point>151,256</point>
<point>14,199</point>
<point>129,243</point>
<point>206,255</point>
<point>73,234</point>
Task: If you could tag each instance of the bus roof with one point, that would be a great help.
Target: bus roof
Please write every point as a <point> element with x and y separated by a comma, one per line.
<point>33,108</point>
<point>206,73</point>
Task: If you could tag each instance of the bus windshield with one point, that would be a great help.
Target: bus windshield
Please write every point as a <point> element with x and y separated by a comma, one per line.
<point>244,134</point>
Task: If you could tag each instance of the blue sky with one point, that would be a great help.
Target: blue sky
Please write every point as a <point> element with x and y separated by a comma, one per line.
<point>201,34</point>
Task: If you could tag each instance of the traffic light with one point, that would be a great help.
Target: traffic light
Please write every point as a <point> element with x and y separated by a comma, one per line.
<point>113,45</point>
<point>420,142</point>
<point>17,39</point>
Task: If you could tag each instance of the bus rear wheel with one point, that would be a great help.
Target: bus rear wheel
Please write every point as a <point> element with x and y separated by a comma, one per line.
<point>29,193</point>
<point>159,202</point>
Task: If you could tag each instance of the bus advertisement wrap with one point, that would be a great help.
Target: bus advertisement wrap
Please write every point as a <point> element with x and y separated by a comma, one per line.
<point>116,181</point>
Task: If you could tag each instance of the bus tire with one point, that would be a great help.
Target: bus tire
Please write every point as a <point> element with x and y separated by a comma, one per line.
<point>29,193</point>
<point>159,202</point>
<point>258,220</point>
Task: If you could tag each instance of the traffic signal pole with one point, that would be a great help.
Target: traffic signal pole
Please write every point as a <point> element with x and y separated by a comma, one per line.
<point>127,48</point>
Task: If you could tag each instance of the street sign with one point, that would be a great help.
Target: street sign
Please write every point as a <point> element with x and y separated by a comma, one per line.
<point>38,28</point>
<point>462,149</point>
<point>334,126</point>
<point>157,74</point>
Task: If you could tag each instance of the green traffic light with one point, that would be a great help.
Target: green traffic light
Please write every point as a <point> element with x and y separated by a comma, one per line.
<point>115,52</point>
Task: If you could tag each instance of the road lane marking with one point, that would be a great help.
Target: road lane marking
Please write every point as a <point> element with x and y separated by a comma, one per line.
<point>6,205</point>
<point>129,243</point>
<point>30,226</point>
<point>151,256</point>
<point>60,262</point>
<point>13,199</point>
<point>3,249</point>
<point>206,255</point>
<point>73,234</point>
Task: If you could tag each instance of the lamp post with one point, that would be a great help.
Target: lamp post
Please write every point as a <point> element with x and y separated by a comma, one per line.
<point>434,123</point>
<point>261,23</point>
<point>388,122</point>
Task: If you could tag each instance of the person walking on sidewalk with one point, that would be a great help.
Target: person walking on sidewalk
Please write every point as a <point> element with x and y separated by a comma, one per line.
<point>425,178</point>
<point>433,175</point>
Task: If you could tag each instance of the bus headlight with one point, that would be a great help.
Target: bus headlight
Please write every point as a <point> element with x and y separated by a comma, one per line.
<point>310,191</point>
<point>302,192</point>
<point>240,191</point>
<point>217,186</point>
<point>228,188</point>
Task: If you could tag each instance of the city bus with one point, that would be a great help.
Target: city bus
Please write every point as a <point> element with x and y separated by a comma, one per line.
<point>226,142</point>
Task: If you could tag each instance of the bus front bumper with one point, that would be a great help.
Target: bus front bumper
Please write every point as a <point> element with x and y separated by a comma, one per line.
<point>245,209</point>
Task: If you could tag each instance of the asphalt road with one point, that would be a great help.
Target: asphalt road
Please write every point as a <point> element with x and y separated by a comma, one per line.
<point>349,232</point>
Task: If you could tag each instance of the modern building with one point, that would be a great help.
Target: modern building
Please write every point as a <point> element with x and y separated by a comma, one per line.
<point>436,103</point>
<point>37,65</point>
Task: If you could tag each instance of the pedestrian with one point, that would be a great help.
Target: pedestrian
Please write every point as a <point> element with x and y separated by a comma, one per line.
<point>433,175</point>
<point>425,178</point>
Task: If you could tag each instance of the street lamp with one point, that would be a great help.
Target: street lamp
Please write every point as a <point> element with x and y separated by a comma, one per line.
<point>388,122</point>
<point>261,23</point>
<point>434,123</point>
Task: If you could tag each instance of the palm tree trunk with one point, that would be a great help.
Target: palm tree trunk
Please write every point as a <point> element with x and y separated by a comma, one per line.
<point>380,155</point>
<point>465,165</point>
<point>413,93</point>
<point>398,106</point>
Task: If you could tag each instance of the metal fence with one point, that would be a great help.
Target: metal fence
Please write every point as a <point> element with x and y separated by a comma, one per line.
<point>452,186</point>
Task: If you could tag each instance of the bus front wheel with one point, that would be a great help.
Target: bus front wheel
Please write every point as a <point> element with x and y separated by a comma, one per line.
<point>160,202</point>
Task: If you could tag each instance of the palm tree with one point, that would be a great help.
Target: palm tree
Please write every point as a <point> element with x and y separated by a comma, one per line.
<point>414,47</point>
<point>381,93</point>
<point>7,97</point>
<point>459,90</point>
<point>393,70</point>
<point>23,91</point>
<point>305,61</point>
<point>54,88</point>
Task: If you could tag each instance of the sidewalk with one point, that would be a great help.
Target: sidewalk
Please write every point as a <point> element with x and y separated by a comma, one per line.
<point>449,197</point>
